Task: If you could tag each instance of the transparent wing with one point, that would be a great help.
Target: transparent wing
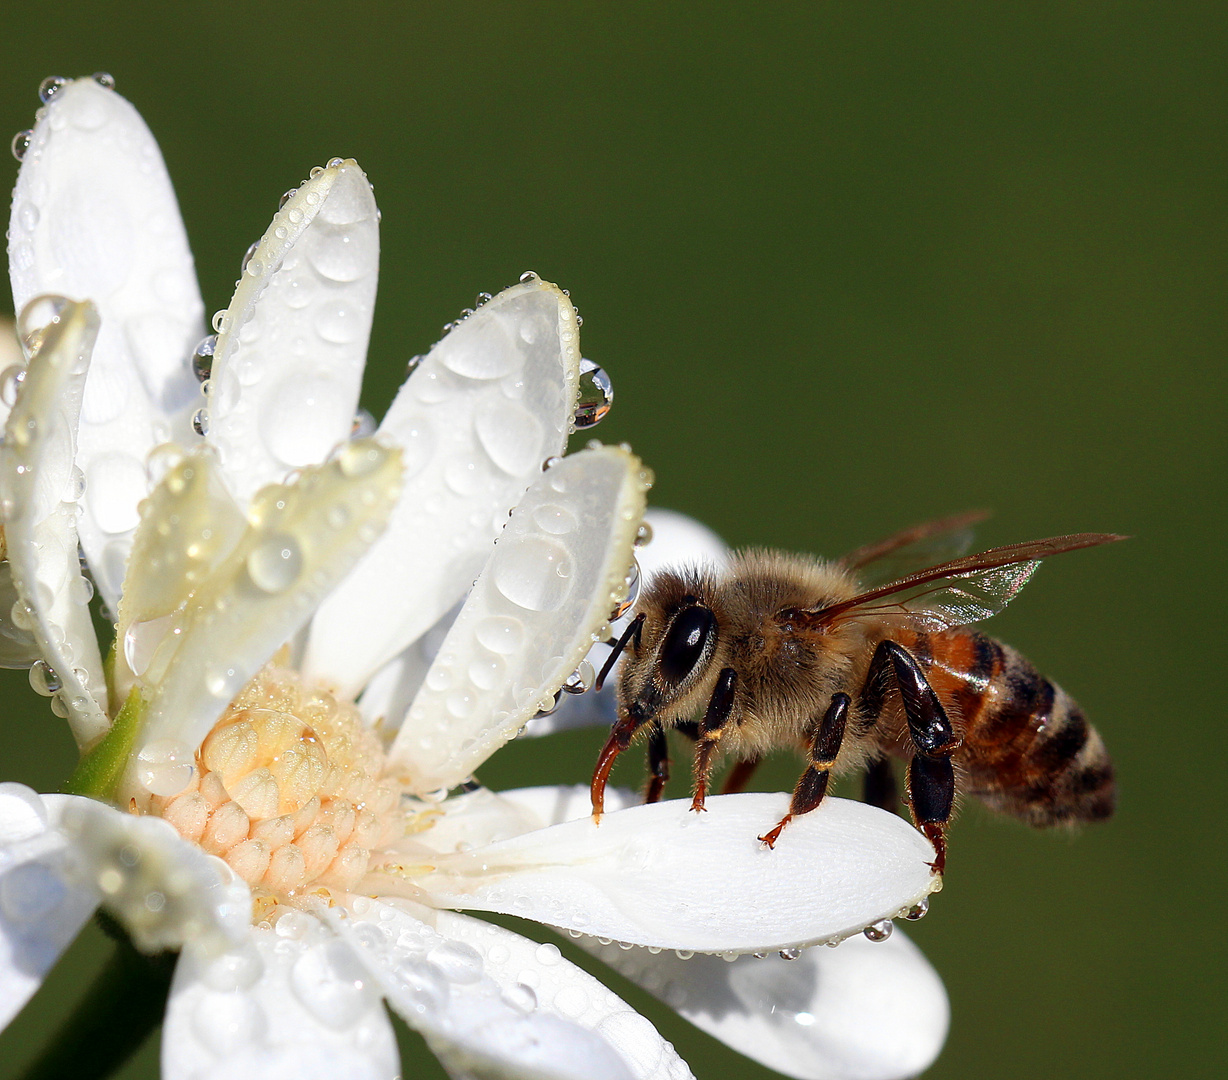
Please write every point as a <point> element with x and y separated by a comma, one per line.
<point>927,544</point>
<point>958,592</point>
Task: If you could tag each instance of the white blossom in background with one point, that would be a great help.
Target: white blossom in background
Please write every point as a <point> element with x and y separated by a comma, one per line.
<point>318,637</point>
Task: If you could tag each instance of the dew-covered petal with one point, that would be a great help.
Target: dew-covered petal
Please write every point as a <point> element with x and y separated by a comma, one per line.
<point>288,362</point>
<point>94,218</point>
<point>42,905</point>
<point>862,1011</point>
<point>388,696</point>
<point>287,1004</point>
<point>676,540</point>
<point>474,1023</point>
<point>300,539</point>
<point>661,875</point>
<point>536,976</point>
<point>167,893</point>
<point>476,419</point>
<point>38,492</point>
<point>18,646</point>
<point>544,596</point>
<point>12,360</point>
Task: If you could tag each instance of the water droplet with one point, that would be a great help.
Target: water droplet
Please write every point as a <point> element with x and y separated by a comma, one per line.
<point>879,931</point>
<point>918,910</point>
<point>51,86</point>
<point>336,163</point>
<point>219,320</point>
<point>643,535</point>
<point>363,426</point>
<point>529,277</point>
<point>521,997</point>
<point>200,422</point>
<point>460,963</point>
<point>632,586</point>
<point>104,79</point>
<point>202,357</point>
<point>330,982</point>
<point>360,459</point>
<point>790,954</point>
<point>549,704</point>
<point>21,143</point>
<point>533,572</point>
<point>36,316</point>
<point>596,395</point>
<point>423,984</point>
<point>43,678</point>
<point>10,382</point>
<point>682,954</point>
<point>550,463</point>
<point>286,197</point>
<point>22,615</point>
<point>165,766</point>
<point>483,298</point>
<point>275,564</point>
<point>498,633</point>
<point>82,590</point>
<point>581,680</point>
<point>414,363</point>
<point>555,519</point>
<point>247,258</point>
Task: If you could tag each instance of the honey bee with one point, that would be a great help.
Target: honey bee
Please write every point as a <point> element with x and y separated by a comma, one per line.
<point>788,650</point>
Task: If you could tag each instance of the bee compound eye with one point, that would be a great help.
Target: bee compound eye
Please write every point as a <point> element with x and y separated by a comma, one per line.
<point>686,642</point>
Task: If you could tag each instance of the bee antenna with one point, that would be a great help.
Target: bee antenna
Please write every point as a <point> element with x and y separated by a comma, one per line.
<point>617,651</point>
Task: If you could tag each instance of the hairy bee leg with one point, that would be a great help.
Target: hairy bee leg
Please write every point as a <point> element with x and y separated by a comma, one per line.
<point>931,776</point>
<point>739,776</point>
<point>720,708</point>
<point>878,785</point>
<point>658,763</point>
<point>619,740</point>
<point>824,749</point>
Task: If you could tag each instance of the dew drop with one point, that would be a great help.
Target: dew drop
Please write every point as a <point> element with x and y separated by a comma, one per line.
<point>414,363</point>
<point>329,981</point>
<point>879,931</point>
<point>36,316</point>
<point>219,320</point>
<point>483,298</point>
<point>643,535</point>
<point>104,79</point>
<point>43,678</point>
<point>790,954</point>
<point>22,615</point>
<point>286,197</point>
<point>51,86</point>
<point>363,425</point>
<point>247,259</point>
<point>533,572</point>
<point>360,459</point>
<point>275,564</point>
<point>555,519</point>
<point>423,986</point>
<point>460,963</point>
<point>498,633</point>
<point>918,910</point>
<point>200,422</point>
<point>596,395</point>
<point>581,680</point>
<point>682,954</point>
<point>202,357</point>
<point>529,277</point>
<point>10,382</point>
<point>165,766</point>
<point>21,143</point>
<point>520,997</point>
<point>632,586</point>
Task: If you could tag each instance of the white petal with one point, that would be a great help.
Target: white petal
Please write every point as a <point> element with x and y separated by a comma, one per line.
<point>863,1011</point>
<point>42,906</point>
<point>300,539</point>
<point>475,421</point>
<point>289,1004</point>
<point>18,646</point>
<point>39,511</point>
<point>288,364</point>
<point>677,540</point>
<point>167,892</point>
<point>94,218</point>
<point>661,875</point>
<point>543,598</point>
<point>536,974</point>
<point>12,360</point>
<point>442,987</point>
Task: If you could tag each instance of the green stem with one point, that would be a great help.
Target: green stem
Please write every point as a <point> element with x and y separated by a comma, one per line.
<point>110,1023</point>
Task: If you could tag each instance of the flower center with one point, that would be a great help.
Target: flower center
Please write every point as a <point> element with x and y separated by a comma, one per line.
<point>289,791</point>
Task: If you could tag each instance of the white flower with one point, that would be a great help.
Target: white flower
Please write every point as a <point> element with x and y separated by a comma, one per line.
<point>242,797</point>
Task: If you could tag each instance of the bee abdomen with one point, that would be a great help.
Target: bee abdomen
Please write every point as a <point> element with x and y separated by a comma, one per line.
<point>1027,750</point>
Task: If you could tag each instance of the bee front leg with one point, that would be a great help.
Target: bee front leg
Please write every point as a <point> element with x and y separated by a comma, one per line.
<point>824,748</point>
<point>720,708</point>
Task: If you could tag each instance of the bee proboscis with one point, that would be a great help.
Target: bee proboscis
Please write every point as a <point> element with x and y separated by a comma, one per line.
<point>786,650</point>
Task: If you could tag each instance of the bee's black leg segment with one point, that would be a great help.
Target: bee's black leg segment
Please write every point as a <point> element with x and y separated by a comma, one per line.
<point>658,763</point>
<point>633,630</point>
<point>739,776</point>
<point>928,723</point>
<point>720,708</point>
<point>618,741</point>
<point>824,749</point>
<point>931,795</point>
<point>878,788</point>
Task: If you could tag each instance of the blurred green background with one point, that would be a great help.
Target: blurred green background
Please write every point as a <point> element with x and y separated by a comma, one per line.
<point>850,266</point>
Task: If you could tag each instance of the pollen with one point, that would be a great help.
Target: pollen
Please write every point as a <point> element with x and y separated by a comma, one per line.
<point>289,790</point>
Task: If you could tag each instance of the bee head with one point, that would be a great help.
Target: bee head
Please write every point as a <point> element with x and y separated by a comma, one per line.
<point>665,673</point>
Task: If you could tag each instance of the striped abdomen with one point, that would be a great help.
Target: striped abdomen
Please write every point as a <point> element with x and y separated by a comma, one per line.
<point>1027,748</point>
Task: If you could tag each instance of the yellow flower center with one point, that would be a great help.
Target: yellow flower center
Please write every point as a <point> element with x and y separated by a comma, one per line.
<point>289,790</point>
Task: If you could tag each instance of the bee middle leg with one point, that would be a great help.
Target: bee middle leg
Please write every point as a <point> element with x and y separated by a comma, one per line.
<point>658,763</point>
<point>739,776</point>
<point>720,708</point>
<point>824,748</point>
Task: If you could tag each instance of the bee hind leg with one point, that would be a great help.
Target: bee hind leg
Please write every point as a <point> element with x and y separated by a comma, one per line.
<point>739,776</point>
<point>720,708</point>
<point>824,748</point>
<point>658,763</point>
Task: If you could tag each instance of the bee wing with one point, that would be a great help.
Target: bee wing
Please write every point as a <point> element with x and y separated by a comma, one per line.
<point>958,592</point>
<point>927,544</point>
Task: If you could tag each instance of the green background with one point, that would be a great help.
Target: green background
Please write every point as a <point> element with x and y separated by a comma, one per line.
<point>850,266</point>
